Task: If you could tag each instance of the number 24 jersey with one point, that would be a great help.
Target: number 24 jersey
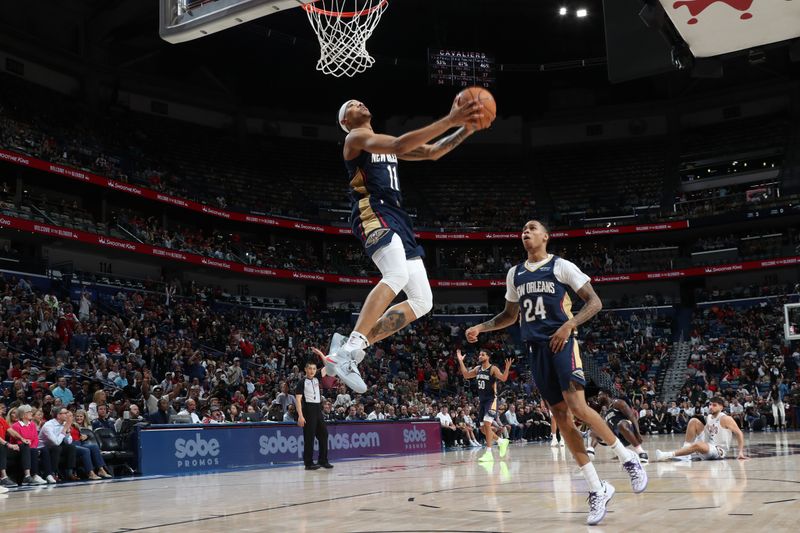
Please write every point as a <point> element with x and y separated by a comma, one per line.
<point>541,291</point>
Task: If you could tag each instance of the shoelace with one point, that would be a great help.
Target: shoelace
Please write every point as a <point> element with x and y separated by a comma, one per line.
<point>630,468</point>
<point>593,500</point>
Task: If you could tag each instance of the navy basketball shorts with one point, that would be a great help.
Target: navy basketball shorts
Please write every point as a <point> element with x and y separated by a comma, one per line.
<point>490,404</point>
<point>553,372</point>
<point>375,225</point>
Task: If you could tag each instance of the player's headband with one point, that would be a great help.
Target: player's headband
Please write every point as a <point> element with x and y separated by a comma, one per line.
<point>342,113</point>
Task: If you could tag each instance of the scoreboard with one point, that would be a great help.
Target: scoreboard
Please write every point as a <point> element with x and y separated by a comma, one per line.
<point>453,68</point>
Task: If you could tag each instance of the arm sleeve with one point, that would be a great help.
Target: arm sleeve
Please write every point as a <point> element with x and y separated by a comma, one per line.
<point>300,387</point>
<point>567,272</point>
<point>511,291</point>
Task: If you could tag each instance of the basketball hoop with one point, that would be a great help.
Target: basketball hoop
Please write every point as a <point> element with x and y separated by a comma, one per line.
<point>343,27</point>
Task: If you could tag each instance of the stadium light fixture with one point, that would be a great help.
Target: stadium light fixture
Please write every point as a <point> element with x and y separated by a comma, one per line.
<point>581,13</point>
<point>562,11</point>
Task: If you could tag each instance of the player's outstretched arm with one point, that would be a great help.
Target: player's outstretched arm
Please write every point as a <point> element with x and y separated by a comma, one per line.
<point>504,375</point>
<point>501,321</point>
<point>440,148</point>
<point>376,143</point>
<point>468,374</point>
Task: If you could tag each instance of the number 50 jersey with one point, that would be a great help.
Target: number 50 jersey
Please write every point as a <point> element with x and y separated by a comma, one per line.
<point>541,291</point>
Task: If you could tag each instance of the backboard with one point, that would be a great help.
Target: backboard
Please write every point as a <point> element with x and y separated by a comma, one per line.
<point>791,324</point>
<point>184,20</point>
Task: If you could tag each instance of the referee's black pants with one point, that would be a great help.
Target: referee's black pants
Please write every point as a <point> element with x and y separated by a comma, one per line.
<point>315,427</point>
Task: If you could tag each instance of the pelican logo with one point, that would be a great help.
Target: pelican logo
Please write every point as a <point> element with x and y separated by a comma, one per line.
<point>375,236</point>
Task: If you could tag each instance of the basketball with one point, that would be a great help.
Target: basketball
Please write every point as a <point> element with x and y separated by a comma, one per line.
<point>485,98</point>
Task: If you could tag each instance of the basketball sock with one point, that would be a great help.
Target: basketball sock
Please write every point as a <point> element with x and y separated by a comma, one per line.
<point>622,453</point>
<point>357,341</point>
<point>639,449</point>
<point>590,474</point>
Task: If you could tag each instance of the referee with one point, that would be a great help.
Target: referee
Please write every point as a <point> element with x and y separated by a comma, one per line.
<point>309,409</point>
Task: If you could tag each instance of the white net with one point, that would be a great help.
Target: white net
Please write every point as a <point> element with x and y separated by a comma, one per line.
<point>343,27</point>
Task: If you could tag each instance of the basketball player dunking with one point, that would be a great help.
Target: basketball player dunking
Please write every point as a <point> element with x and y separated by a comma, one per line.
<point>384,228</point>
<point>710,441</point>
<point>487,375</point>
<point>536,295</point>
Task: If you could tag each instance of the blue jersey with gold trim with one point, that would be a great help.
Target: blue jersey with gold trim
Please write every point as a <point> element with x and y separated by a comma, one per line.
<point>374,177</point>
<point>544,302</point>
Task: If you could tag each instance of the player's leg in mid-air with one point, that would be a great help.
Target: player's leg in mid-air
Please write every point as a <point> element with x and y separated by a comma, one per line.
<point>375,322</point>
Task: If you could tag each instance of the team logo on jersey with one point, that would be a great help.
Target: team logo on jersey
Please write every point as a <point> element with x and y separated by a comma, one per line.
<point>578,374</point>
<point>544,269</point>
<point>375,236</point>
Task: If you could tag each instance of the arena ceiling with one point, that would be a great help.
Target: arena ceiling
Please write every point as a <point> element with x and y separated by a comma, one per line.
<point>270,62</point>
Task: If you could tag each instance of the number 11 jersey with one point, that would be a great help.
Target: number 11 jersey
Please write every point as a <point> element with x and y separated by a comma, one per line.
<point>541,291</point>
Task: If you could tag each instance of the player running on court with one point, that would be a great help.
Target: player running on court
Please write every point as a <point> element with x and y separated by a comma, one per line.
<point>487,376</point>
<point>710,441</point>
<point>537,297</point>
<point>384,228</point>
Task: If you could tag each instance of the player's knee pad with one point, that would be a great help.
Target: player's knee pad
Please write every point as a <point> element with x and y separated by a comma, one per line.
<point>490,415</point>
<point>391,261</point>
<point>418,289</point>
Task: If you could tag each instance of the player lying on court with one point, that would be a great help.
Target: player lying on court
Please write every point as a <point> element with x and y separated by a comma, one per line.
<point>384,228</point>
<point>709,441</point>
<point>487,376</point>
<point>537,297</point>
<point>621,419</point>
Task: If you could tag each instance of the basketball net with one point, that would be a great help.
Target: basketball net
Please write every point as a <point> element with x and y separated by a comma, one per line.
<point>342,28</point>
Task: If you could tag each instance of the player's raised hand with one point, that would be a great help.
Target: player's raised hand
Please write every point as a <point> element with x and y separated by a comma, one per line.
<point>509,362</point>
<point>464,112</point>
<point>472,334</point>
<point>460,355</point>
<point>319,354</point>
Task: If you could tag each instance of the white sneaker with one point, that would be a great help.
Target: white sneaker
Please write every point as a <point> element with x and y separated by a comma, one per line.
<point>50,480</point>
<point>38,480</point>
<point>590,453</point>
<point>336,342</point>
<point>3,490</point>
<point>661,456</point>
<point>340,363</point>
<point>636,472</point>
<point>561,443</point>
<point>598,502</point>
<point>554,443</point>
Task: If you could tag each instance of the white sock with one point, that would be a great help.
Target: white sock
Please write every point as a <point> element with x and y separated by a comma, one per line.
<point>623,454</point>
<point>356,340</point>
<point>590,474</point>
<point>639,449</point>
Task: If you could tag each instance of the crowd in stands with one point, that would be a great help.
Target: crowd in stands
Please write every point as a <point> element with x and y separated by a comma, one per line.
<point>740,353</point>
<point>616,178</point>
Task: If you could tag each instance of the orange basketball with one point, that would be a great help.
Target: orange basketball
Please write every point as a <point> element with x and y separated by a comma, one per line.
<point>485,98</point>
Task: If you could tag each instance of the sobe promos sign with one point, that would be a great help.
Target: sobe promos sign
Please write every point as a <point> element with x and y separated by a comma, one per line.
<point>215,448</point>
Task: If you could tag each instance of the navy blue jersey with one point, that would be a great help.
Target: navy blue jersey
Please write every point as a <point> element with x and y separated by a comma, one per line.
<point>544,303</point>
<point>373,177</point>
<point>377,205</point>
<point>486,383</point>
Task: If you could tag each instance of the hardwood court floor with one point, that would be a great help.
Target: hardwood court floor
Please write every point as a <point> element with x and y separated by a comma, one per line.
<point>535,489</point>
